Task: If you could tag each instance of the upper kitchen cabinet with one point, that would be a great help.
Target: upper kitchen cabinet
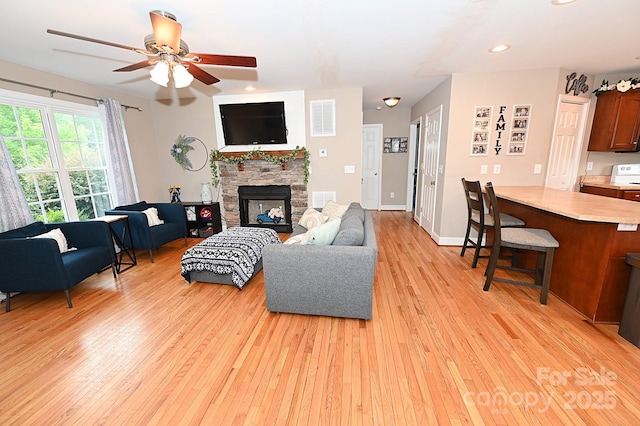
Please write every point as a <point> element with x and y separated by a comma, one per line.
<point>616,123</point>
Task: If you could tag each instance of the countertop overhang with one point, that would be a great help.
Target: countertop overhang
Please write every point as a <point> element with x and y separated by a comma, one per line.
<point>575,205</point>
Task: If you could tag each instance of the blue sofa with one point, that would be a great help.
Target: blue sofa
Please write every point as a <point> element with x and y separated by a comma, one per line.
<point>151,237</point>
<point>36,264</point>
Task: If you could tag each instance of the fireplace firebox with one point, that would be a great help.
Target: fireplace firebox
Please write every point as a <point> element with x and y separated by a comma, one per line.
<point>266,206</point>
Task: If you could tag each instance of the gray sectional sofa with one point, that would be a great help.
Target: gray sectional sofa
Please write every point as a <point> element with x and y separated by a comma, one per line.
<point>332,280</point>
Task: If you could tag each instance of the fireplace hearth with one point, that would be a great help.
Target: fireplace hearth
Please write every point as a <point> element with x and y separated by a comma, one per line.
<point>267,206</point>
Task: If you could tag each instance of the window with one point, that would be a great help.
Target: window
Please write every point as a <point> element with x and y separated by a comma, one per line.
<point>59,152</point>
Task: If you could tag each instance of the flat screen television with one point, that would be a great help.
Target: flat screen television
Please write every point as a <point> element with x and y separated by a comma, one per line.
<point>260,123</point>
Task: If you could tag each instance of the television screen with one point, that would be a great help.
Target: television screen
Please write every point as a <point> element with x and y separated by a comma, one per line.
<point>254,124</point>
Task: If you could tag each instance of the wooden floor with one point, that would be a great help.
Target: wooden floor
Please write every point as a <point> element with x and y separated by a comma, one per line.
<point>148,348</point>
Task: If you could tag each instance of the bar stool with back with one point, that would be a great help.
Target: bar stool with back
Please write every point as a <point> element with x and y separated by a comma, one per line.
<point>538,240</point>
<point>479,220</point>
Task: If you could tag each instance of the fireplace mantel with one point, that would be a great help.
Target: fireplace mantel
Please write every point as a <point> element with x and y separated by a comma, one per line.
<point>256,156</point>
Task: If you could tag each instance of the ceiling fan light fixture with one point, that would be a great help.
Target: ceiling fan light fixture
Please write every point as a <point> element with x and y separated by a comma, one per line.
<point>391,102</point>
<point>181,76</point>
<point>499,48</point>
<point>160,74</point>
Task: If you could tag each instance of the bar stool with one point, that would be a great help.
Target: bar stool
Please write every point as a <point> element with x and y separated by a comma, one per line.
<point>538,240</point>
<point>479,220</point>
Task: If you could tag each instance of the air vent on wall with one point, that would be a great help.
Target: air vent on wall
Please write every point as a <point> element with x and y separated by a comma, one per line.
<point>319,198</point>
<point>323,117</point>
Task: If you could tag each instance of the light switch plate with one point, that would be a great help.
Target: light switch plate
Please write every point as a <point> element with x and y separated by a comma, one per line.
<point>349,169</point>
<point>323,153</point>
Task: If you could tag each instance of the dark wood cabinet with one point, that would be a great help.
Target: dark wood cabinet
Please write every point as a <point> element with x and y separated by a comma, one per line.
<point>611,192</point>
<point>203,220</point>
<point>616,122</point>
<point>631,195</point>
<point>597,190</point>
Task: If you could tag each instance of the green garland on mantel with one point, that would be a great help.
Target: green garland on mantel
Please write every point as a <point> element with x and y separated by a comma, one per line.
<point>216,156</point>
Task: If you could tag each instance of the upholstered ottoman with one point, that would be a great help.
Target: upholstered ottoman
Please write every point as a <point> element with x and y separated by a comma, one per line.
<point>233,256</point>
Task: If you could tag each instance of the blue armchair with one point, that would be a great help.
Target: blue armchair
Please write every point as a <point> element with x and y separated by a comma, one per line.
<point>36,264</point>
<point>151,237</point>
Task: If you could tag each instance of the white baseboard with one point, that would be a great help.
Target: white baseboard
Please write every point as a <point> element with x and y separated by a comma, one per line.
<point>450,241</point>
<point>402,207</point>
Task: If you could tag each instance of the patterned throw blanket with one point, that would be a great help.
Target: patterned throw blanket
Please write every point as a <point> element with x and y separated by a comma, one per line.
<point>234,251</point>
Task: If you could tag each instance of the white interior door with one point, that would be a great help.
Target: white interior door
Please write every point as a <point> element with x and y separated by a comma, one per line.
<point>431,157</point>
<point>371,160</point>
<point>566,146</point>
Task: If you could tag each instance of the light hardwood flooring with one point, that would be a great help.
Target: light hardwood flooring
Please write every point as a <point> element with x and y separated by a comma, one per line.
<point>149,348</point>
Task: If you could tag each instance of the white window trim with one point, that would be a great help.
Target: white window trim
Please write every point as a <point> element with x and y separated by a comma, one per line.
<point>51,106</point>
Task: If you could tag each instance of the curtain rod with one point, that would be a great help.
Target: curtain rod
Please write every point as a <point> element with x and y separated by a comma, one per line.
<point>54,91</point>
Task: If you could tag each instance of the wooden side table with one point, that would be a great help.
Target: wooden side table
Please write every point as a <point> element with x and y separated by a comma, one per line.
<point>119,241</point>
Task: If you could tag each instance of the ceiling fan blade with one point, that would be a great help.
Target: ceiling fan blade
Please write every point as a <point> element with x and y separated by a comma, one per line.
<point>202,75</point>
<point>166,30</point>
<point>95,40</point>
<point>134,67</point>
<point>228,60</point>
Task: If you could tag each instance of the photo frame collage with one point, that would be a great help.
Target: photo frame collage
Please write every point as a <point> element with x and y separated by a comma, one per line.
<point>394,145</point>
<point>481,134</point>
<point>519,126</point>
<point>481,130</point>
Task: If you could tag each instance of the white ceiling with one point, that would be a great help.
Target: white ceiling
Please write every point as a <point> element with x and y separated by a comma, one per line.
<point>389,48</point>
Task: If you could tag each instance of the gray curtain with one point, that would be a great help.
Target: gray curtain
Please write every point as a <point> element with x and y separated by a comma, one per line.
<point>14,210</point>
<point>125,189</point>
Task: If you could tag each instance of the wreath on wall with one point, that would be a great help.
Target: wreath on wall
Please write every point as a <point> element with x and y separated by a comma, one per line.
<point>181,149</point>
<point>216,156</point>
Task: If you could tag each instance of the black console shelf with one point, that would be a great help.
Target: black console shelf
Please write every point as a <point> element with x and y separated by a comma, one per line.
<point>203,220</point>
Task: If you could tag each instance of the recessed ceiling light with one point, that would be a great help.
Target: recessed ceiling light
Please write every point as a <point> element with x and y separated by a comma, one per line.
<point>561,2</point>
<point>499,48</point>
<point>249,88</point>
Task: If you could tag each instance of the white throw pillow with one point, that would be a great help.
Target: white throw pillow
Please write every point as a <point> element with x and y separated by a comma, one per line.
<point>56,234</point>
<point>297,239</point>
<point>334,210</point>
<point>324,234</point>
<point>152,216</point>
<point>312,218</point>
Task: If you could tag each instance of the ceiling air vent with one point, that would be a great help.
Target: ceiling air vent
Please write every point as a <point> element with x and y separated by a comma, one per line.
<point>323,117</point>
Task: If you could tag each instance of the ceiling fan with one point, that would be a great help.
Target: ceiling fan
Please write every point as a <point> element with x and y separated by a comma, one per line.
<point>168,53</point>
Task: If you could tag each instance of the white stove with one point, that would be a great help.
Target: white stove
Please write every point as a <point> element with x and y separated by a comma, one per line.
<point>625,174</point>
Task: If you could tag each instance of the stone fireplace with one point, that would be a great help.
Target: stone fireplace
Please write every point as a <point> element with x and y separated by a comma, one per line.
<point>257,202</point>
<point>258,172</point>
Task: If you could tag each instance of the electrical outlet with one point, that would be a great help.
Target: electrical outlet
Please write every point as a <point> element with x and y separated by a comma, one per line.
<point>589,165</point>
<point>322,153</point>
<point>537,169</point>
<point>483,169</point>
<point>496,169</point>
<point>392,195</point>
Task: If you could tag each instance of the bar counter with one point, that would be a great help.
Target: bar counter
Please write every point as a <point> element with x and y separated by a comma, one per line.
<point>589,270</point>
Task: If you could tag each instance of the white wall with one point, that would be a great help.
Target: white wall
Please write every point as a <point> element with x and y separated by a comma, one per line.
<point>539,88</point>
<point>343,149</point>
<point>395,166</point>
